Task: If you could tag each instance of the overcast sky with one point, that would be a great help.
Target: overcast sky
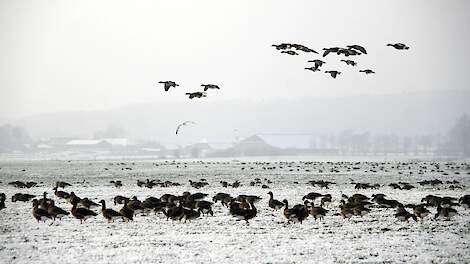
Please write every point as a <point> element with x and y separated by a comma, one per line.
<point>78,55</point>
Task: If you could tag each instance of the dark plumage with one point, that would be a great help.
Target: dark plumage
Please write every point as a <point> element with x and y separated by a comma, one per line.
<point>196,95</point>
<point>367,71</point>
<point>399,46</point>
<point>210,86</point>
<point>38,213</point>
<point>274,204</point>
<point>108,213</point>
<point>349,62</point>
<point>357,47</point>
<point>126,212</point>
<point>298,213</point>
<point>333,73</point>
<point>168,84</point>
<point>56,212</point>
<point>81,213</point>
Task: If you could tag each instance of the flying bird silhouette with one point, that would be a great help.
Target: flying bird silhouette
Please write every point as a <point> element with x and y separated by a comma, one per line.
<point>350,62</point>
<point>367,71</point>
<point>290,52</point>
<point>399,46</point>
<point>318,63</point>
<point>196,94</point>
<point>333,73</point>
<point>168,84</point>
<point>328,50</point>
<point>357,47</point>
<point>185,123</point>
<point>210,86</point>
<point>313,69</point>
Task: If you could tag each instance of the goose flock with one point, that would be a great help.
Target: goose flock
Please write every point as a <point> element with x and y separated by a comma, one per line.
<point>349,50</point>
<point>189,206</point>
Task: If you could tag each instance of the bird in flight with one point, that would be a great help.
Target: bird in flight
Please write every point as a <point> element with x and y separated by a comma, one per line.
<point>313,69</point>
<point>350,62</point>
<point>318,63</point>
<point>290,52</point>
<point>185,123</point>
<point>357,47</point>
<point>328,50</point>
<point>333,73</point>
<point>367,71</point>
<point>399,46</point>
<point>168,84</point>
<point>196,94</point>
<point>210,86</point>
<point>282,46</point>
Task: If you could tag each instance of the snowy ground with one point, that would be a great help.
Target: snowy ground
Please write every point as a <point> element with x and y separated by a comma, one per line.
<point>221,239</point>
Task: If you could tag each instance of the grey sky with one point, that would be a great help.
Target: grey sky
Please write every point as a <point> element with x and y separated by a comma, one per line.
<point>77,55</point>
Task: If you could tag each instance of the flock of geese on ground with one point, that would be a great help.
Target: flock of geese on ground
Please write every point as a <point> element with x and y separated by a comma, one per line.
<point>189,206</point>
<point>350,50</point>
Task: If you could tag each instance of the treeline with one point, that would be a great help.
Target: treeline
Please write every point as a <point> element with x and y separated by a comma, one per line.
<point>454,143</point>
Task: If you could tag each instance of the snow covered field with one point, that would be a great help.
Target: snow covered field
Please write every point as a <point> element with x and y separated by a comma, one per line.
<point>375,238</point>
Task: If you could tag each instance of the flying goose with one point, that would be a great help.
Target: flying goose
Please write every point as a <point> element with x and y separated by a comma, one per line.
<point>274,204</point>
<point>318,63</point>
<point>333,73</point>
<point>282,46</point>
<point>367,71</point>
<point>168,84</point>
<point>313,69</point>
<point>210,86</point>
<point>350,62</point>
<point>196,94</point>
<point>399,46</point>
<point>290,52</point>
<point>357,47</point>
<point>328,50</point>
<point>108,213</point>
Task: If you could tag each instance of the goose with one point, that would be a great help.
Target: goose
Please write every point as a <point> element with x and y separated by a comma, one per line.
<point>404,215</point>
<point>109,214</point>
<point>357,47</point>
<point>175,212</point>
<point>210,86</point>
<point>312,196</point>
<point>56,212</point>
<point>328,50</point>
<point>298,213</point>
<point>303,48</point>
<point>190,214</point>
<point>22,197</point>
<point>81,213</point>
<point>127,213</point>
<point>2,201</point>
<point>244,214</point>
<point>38,213</point>
<point>313,69</point>
<point>135,205</point>
<point>399,46</point>
<point>87,203</point>
<point>204,207</point>
<point>61,194</point>
<point>274,204</point>
<point>367,71</point>
<point>118,199</point>
<point>44,203</point>
<point>350,62</point>
<point>282,46</point>
<point>196,95</point>
<point>220,197</point>
<point>465,201</point>
<point>74,198</point>
<point>62,184</point>
<point>318,63</point>
<point>420,211</point>
<point>290,52</point>
<point>317,212</point>
<point>445,212</point>
<point>333,73</point>
<point>168,84</point>
<point>196,196</point>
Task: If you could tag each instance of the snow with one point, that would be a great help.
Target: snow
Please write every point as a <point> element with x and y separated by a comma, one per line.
<point>222,239</point>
